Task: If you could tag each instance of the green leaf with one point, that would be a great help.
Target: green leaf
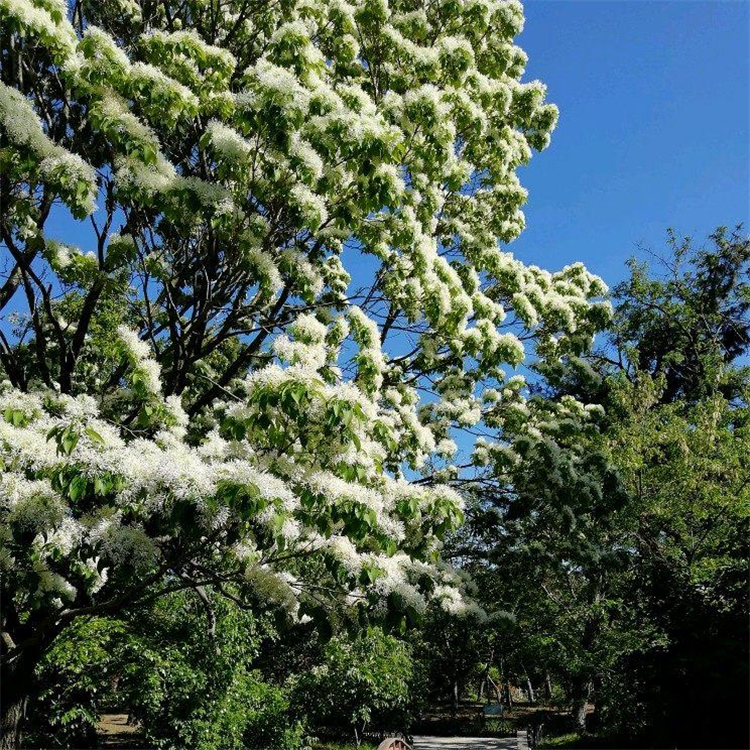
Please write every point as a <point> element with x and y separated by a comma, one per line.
<point>67,441</point>
<point>94,435</point>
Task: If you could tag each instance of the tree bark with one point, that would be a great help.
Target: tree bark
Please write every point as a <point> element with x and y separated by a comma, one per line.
<point>505,682</point>
<point>530,690</point>
<point>497,688</point>
<point>10,723</point>
<point>484,679</point>
<point>529,686</point>
<point>581,695</point>
<point>16,686</point>
<point>579,715</point>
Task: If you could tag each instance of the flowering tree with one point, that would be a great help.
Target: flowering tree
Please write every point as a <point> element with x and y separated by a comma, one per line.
<point>201,395</point>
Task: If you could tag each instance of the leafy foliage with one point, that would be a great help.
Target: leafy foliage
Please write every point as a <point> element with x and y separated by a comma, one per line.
<point>197,395</point>
<point>617,535</point>
<point>363,684</point>
<point>182,669</point>
<point>689,324</point>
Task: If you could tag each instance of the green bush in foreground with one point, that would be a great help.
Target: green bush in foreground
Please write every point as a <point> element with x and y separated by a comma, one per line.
<point>183,670</point>
<point>363,685</point>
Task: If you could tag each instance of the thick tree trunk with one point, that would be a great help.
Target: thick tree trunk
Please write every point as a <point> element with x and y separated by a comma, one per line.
<point>581,696</point>
<point>10,723</point>
<point>16,684</point>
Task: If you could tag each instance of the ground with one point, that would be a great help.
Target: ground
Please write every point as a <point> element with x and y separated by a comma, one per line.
<point>440,729</point>
<point>464,743</point>
<point>115,732</point>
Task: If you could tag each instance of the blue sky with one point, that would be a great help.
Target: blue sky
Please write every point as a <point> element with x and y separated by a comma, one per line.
<point>654,126</point>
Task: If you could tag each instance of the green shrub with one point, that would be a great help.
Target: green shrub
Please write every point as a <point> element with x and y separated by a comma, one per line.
<point>186,686</point>
<point>74,675</point>
<point>363,685</point>
<point>191,689</point>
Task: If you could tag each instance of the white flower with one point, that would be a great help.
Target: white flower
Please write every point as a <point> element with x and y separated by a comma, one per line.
<point>140,355</point>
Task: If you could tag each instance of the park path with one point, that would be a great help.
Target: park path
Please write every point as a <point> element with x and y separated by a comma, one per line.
<point>465,743</point>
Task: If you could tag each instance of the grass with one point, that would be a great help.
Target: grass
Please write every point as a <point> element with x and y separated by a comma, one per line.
<point>562,740</point>
<point>574,741</point>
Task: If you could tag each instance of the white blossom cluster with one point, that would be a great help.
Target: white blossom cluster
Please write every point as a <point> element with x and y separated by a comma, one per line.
<point>296,491</point>
<point>268,148</point>
<point>61,169</point>
<point>139,354</point>
<point>444,106</point>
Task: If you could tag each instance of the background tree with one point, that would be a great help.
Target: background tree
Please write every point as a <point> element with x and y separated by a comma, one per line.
<point>687,478</point>
<point>616,533</point>
<point>542,543</point>
<point>453,650</point>
<point>691,321</point>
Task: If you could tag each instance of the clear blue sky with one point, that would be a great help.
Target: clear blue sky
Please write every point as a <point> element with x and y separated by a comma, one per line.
<point>654,126</point>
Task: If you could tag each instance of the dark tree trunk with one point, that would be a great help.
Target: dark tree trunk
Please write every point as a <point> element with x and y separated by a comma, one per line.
<point>507,698</point>
<point>16,686</point>
<point>10,723</point>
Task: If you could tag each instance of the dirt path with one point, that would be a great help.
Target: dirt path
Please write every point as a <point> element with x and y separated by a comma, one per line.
<point>115,732</point>
<point>465,743</point>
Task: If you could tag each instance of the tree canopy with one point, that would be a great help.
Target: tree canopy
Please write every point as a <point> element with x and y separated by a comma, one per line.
<point>619,542</point>
<point>263,350</point>
<point>283,293</point>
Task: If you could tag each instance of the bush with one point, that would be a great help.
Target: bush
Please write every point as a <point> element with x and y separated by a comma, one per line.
<point>249,715</point>
<point>192,689</point>
<point>185,685</point>
<point>363,686</point>
<point>75,673</point>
